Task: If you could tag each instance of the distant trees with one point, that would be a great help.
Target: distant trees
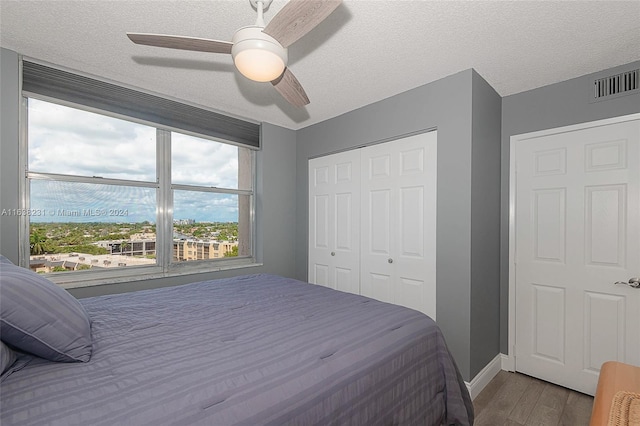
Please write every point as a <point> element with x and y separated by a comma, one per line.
<point>232,253</point>
<point>38,242</point>
<point>54,237</point>
<point>200,233</point>
<point>57,238</point>
<point>68,237</point>
<point>82,248</point>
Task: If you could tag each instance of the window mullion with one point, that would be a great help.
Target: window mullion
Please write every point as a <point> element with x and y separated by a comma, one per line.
<point>164,220</point>
<point>23,221</point>
<point>93,180</point>
<point>181,187</point>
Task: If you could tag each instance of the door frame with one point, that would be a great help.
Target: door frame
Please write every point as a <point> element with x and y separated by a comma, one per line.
<point>509,363</point>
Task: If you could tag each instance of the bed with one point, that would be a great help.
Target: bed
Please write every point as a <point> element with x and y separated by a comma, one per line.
<point>251,350</point>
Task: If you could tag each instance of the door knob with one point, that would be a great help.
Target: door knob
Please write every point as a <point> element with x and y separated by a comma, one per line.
<point>333,253</point>
<point>390,260</point>
<point>633,282</point>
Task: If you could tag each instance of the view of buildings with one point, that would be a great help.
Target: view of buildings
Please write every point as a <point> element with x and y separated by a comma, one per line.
<point>60,247</point>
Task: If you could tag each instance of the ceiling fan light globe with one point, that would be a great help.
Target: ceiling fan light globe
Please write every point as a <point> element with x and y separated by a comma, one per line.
<point>258,56</point>
<point>259,65</point>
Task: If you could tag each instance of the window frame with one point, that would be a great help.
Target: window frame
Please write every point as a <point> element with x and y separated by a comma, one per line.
<point>165,266</point>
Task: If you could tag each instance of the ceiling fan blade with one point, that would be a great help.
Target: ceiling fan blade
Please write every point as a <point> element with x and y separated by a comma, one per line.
<point>297,18</point>
<point>291,89</point>
<point>181,42</point>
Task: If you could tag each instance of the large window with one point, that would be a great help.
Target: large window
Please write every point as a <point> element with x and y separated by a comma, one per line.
<point>113,197</point>
<point>211,185</point>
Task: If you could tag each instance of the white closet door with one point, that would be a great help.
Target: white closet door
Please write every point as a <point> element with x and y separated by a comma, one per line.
<point>334,230</point>
<point>398,237</point>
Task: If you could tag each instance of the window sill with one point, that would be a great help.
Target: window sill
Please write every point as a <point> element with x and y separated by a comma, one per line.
<point>143,274</point>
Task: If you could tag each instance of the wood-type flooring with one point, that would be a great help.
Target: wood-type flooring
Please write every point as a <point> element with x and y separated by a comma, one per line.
<point>513,399</point>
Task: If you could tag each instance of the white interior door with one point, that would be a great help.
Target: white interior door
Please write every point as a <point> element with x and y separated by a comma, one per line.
<point>577,224</point>
<point>398,238</point>
<point>334,230</point>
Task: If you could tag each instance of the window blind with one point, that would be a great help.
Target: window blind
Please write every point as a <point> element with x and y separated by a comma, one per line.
<point>58,84</point>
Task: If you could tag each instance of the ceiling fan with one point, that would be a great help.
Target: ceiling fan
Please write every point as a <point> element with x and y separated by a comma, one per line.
<point>259,52</point>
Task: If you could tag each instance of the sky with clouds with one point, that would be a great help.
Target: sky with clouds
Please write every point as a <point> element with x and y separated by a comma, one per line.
<point>68,141</point>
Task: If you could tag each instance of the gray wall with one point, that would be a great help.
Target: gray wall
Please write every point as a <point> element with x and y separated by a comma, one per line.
<point>9,133</point>
<point>446,105</point>
<point>556,105</point>
<point>485,224</point>
<point>276,173</point>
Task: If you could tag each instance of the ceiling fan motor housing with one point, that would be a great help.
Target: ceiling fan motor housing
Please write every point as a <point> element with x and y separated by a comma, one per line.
<point>257,55</point>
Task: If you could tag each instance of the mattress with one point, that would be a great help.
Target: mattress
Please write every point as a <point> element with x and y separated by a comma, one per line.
<point>251,350</point>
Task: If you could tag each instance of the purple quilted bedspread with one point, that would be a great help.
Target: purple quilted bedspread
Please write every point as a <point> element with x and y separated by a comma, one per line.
<point>250,350</point>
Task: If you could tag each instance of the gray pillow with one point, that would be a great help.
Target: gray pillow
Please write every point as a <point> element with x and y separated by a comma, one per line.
<point>7,357</point>
<point>5,260</point>
<point>41,318</point>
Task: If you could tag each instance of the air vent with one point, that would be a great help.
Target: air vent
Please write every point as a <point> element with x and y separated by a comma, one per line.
<point>616,84</point>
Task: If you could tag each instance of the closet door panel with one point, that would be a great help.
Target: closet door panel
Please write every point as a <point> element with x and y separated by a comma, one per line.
<point>345,281</point>
<point>411,293</point>
<point>320,275</point>
<point>398,228</point>
<point>416,223</point>
<point>379,218</point>
<point>411,235</point>
<point>334,231</point>
<point>380,287</point>
<point>322,233</point>
<point>378,199</point>
<point>344,235</point>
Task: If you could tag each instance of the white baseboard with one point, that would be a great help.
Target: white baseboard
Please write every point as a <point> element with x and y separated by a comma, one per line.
<point>483,378</point>
<point>508,363</point>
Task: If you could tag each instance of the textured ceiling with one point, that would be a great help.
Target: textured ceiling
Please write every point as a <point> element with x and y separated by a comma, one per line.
<point>365,51</point>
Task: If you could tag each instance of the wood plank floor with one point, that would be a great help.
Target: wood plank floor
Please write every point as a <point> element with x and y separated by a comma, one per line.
<point>513,399</point>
